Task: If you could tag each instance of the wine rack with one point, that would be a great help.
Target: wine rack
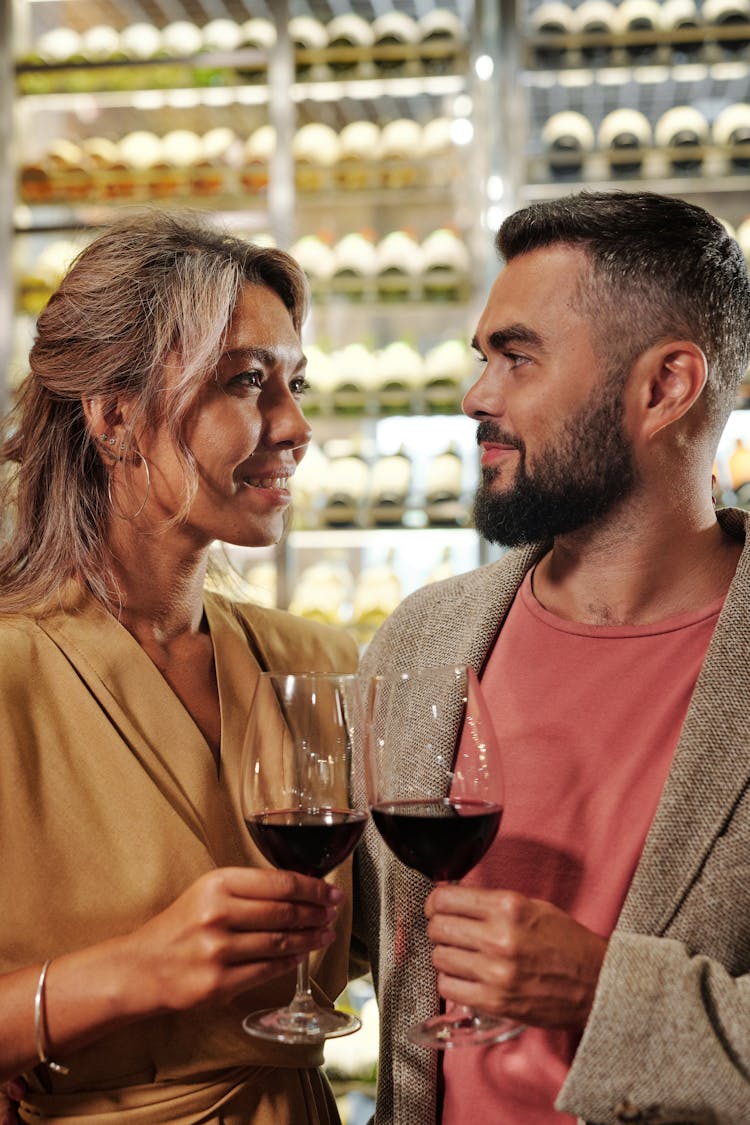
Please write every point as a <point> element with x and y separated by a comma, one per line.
<point>367,139</point>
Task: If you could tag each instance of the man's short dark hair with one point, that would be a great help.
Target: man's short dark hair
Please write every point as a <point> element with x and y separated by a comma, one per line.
<point>661,268</point>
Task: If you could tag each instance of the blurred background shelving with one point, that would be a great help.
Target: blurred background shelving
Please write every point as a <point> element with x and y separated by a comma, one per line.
<point>382,141</point>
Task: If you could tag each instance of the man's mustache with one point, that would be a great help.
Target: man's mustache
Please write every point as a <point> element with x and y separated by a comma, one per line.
<point>491,433</point>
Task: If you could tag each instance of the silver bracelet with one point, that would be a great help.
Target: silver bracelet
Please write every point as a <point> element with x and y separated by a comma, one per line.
<point>40,1023</point>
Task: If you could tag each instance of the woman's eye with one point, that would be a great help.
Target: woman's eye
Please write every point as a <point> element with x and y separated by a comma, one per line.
<point>248,379</point>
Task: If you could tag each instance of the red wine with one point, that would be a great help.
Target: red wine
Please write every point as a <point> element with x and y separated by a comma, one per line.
<point>312,843</point>
<point>442,839</point>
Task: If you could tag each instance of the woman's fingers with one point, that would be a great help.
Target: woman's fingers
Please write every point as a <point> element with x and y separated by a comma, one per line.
<point>272,885</point>
<point>10,1095</point>
<point>232,929</point>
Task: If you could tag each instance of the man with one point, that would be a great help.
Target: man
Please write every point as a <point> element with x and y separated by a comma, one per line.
<point>612,914</point>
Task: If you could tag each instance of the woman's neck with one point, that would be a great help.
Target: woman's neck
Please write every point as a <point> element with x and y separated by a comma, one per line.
<point>160,582</point>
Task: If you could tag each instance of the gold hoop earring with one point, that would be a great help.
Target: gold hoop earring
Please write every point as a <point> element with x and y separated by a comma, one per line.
<point>133,515</point>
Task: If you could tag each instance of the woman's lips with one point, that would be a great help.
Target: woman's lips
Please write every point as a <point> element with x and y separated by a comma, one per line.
<point>267,482</point>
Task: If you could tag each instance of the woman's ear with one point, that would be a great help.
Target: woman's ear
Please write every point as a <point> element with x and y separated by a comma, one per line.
<point>105,422</point>
<point>673,377</point>
<point>102,415</point>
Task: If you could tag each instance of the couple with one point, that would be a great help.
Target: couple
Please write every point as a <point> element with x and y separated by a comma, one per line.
<point>163,411</point>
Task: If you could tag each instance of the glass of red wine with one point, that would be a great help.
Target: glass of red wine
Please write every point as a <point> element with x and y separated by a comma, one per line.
<point>300,811</point>
<point>435,788</point>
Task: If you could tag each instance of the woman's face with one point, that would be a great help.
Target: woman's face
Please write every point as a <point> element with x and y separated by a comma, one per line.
<point>245,429</point>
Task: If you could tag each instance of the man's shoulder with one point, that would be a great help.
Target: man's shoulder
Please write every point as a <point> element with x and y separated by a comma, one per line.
<point>454,619</point>
<point>448,591</point>
<point>504,574</point>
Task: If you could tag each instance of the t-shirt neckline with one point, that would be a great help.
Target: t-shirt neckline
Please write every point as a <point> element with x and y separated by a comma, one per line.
<point>606,632</point>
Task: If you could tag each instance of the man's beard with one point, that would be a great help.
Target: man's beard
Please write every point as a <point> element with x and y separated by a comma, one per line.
<point>583,476</point>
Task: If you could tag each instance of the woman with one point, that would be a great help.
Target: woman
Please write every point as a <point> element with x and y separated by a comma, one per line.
<point>139,924</point>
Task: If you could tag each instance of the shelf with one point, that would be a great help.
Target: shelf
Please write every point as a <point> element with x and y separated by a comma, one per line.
<point>184,96</point>
<point>41,218</point>
<point>354,404</point>
<point>402,293</point>
<point>675,185</point>
<point>55,200</point>
<point>424,62</point>
<point>655,173</point>
<point>321,539</point>
<point>647,73</point>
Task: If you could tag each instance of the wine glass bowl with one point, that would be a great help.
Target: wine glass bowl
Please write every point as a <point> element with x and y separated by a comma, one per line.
<point>300,811</point>
<point>435,788</point>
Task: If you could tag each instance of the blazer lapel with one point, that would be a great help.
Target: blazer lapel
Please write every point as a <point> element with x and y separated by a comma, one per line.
<point>711,766</point>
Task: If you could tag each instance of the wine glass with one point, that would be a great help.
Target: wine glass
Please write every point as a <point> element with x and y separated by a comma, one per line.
<point>300,811</point>
<point>435,788</point>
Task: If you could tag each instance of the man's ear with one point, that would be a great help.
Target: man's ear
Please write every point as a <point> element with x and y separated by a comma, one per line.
<point>672,378</point>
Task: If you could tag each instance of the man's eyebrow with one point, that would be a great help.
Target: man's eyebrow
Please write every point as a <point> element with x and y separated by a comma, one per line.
<point>503,338</point>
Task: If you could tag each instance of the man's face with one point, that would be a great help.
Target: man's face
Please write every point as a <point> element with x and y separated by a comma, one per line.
<point>555,454</point>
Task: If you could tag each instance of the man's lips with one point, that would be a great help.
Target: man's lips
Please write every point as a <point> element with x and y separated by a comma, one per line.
<point>494,453</point>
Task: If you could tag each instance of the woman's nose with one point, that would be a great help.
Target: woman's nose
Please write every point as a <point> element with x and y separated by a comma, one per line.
<point>287,425</point>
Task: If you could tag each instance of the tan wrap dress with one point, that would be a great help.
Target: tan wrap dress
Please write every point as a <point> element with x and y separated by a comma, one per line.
<point>111,805</point>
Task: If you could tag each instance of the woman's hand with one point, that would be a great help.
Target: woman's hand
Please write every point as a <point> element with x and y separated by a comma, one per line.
<point>234,928</point>
<point>508,955</point>
<point>10,1095</point>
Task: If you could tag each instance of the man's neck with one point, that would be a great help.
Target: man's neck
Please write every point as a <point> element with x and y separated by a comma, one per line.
<point>623,574</point>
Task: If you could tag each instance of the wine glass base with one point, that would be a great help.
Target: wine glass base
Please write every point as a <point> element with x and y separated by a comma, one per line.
<point>446,1031</point>
<point>285,1025</point>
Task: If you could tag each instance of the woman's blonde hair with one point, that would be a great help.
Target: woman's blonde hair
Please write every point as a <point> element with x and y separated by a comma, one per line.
<point>151,284</point>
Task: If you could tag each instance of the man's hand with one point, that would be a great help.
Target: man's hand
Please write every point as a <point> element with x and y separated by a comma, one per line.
<point>512,956</point>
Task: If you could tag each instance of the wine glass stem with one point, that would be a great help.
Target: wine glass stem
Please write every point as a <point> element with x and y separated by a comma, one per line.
<point>463,1013</point>
<point>303,997</point>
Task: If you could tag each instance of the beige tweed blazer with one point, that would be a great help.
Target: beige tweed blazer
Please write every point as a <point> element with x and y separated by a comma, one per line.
<point>668,1040</point>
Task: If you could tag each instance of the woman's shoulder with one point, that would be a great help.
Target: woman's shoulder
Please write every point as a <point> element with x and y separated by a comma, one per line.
<point>27,661</point>
<point>19,633</point>
<point>289,641</point>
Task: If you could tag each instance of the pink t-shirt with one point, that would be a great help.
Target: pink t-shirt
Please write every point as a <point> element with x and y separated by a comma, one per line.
<point>587,718</point>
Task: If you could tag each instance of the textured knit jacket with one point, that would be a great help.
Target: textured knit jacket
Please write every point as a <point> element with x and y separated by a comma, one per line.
<point>668,1039</point>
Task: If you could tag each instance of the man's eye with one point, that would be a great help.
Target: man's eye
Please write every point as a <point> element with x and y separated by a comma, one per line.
<point>300,385</point>
<point>515,359</point>
<point>479,358</point>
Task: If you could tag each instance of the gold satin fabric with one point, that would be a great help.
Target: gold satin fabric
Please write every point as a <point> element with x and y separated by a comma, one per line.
<point>111,804</point>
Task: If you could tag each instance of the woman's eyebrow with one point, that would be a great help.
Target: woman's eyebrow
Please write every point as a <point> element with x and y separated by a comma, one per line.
<point>250,353</point>
<point>266,357</point>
